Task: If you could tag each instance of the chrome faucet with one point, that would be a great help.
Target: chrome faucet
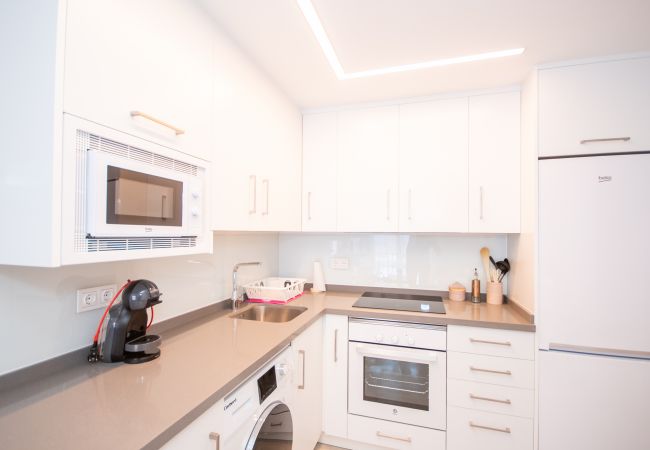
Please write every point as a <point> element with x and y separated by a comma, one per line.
<point>235,291</point>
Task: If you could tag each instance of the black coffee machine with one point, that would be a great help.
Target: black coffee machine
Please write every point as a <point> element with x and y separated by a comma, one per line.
<point>124,335</point>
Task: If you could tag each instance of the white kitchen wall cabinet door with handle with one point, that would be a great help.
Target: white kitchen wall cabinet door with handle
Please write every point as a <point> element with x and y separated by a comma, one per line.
<point>144,68</point>
<point>335,375</point>
<point>206,432</point>
<point>494,163</point>
<point>368,175</point>
<point>595,108</point>
<point>433,166</point>
<point>308,386</point>
<point>319,157</point>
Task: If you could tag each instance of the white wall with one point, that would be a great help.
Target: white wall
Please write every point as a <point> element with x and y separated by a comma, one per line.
<point>413,261</point>
<point>39,319</point>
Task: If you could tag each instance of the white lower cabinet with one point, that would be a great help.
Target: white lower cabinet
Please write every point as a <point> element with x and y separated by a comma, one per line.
<point>469,429</point>
<point>491,398</point>
<point>335,375</point>
<point>204,433</point>
<point>308,387</point>
<point>394,435</point>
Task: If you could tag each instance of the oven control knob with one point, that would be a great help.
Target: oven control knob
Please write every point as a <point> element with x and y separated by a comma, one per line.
<point>195,212</point>
<point>379,338</point>
<point>394,339</point>
<point>195,195</point>
<point>410,340</point>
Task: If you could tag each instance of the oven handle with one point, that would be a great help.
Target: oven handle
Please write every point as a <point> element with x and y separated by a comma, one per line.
<point>403,354</point>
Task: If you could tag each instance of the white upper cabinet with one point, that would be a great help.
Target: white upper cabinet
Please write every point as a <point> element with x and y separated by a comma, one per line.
<point>595,108</point>
<point>494,163</point>
<point>368,175</point>
<point>433,166</point>
<point>319,160</point>
<point>152,57</point>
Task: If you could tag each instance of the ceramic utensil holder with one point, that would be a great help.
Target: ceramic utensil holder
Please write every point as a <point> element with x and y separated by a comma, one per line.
<point>494,293</point>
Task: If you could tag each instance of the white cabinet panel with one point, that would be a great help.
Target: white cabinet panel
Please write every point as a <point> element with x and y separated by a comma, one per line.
<point>394,435</point>
<point>491,398</point>
<point>491,341</point>
<point>433,166</point>
<point>491,369</point>
<point>368,179</point>
<point>319,150</point>
<point>468,429</point>
<point>335,375</point>
<point>152,56</point>
<point>308,386</point>
<point>593,402</point>
<point>595,101</point>
<point>197,435</point>
<point>494,163</point>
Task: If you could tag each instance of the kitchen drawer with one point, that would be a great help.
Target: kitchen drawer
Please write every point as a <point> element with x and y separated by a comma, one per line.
<point>491,369</point>
<point>394,435</point>
<point>490,341</point>
<point>491,398</point>
<point>468,429</point>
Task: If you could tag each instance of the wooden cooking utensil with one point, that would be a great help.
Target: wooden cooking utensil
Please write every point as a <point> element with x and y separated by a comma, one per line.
<point>485,257</point>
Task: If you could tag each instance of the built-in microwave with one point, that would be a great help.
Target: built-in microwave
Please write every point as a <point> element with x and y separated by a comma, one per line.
<point>132,198</point>
<point>124,197</point>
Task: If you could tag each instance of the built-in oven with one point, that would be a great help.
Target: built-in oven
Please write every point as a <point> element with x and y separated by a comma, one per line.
<point>398,372</point>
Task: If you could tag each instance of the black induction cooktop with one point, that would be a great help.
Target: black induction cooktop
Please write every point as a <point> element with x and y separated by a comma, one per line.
<point>401,302</point>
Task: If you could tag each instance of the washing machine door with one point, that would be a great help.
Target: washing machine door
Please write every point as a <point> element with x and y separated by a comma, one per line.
<point>273,430</point>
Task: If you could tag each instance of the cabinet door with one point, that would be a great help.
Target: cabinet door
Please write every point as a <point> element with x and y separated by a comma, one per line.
<point>368,169</point>
<point>151,56</point>
<point>204,433</point>
<point>335,376</point>
<point>308,382</point>
<point>319,158</point>
<point>433,166</point>
<point>494,167</point>
<point>595,108</point>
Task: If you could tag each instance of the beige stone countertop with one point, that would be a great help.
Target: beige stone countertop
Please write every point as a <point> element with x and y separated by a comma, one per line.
<point>122,406</point>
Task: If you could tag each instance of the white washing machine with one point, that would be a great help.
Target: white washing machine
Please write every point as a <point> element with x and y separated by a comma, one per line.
<point>258,413</point>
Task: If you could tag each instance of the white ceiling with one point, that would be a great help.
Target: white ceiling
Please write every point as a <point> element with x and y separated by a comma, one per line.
<point>370,34</point>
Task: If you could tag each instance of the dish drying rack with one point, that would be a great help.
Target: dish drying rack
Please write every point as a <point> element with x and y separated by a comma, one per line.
<point>275,290</point>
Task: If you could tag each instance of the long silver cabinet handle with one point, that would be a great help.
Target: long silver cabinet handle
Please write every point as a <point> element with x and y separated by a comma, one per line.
<point>176,130</point>
<point>488,399</point>
<point>500,372</point>
<point>266,209</point>
<point>216,438</point>
<point>587,141</point>
<point>396,438</point>
<point>253,192</point>
<point>481,202</point>
<point>483,341</point>
<point>309,205</point>
<point>388,204</point>
<point>336,353</point>
<point>410,215</point>
<point>302,352</point>
<point>485,427</point>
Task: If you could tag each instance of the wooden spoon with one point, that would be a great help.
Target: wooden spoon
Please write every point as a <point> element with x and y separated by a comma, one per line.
<point>485,256</point>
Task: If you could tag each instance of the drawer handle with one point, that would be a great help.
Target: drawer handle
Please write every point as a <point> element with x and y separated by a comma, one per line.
<point>488,399</point>
<point>587,141</point>
<point>396,438</point>
<point>485,427</point>
<point>216,438</point>
<point>483,341</point>
<point>500,372</point>
<point>276,424</point>
<point>177,131</point>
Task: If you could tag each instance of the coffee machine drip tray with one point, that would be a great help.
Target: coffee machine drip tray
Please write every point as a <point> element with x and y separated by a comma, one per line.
<point>401,302</point>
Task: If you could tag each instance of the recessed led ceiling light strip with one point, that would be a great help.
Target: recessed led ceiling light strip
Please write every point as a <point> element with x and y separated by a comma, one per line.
<point>314,22</point>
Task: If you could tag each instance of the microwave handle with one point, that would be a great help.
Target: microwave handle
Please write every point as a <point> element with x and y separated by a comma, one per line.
<point>401,354</point>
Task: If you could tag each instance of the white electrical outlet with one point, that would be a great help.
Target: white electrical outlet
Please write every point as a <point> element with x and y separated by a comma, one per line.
<point>95,297</point>
<point>340,263</point>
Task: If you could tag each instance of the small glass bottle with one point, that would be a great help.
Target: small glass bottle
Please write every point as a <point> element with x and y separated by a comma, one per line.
<point>476,288</point>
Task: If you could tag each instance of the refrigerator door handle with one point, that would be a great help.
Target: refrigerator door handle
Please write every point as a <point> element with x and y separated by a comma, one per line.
<point>554,346</point>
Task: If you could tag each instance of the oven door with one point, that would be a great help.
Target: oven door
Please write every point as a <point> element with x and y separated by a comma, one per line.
<point>399,384</point>
<point>128,198</point>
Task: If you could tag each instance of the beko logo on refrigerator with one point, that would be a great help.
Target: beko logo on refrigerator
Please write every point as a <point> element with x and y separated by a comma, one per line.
<point>604,179</point>
<point>148,229</point>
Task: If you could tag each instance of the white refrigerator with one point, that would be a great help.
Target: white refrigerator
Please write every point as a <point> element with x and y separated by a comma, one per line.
<point>594,303</point>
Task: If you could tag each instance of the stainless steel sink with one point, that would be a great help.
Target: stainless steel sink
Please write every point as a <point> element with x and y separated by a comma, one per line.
<point>269,313</point>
